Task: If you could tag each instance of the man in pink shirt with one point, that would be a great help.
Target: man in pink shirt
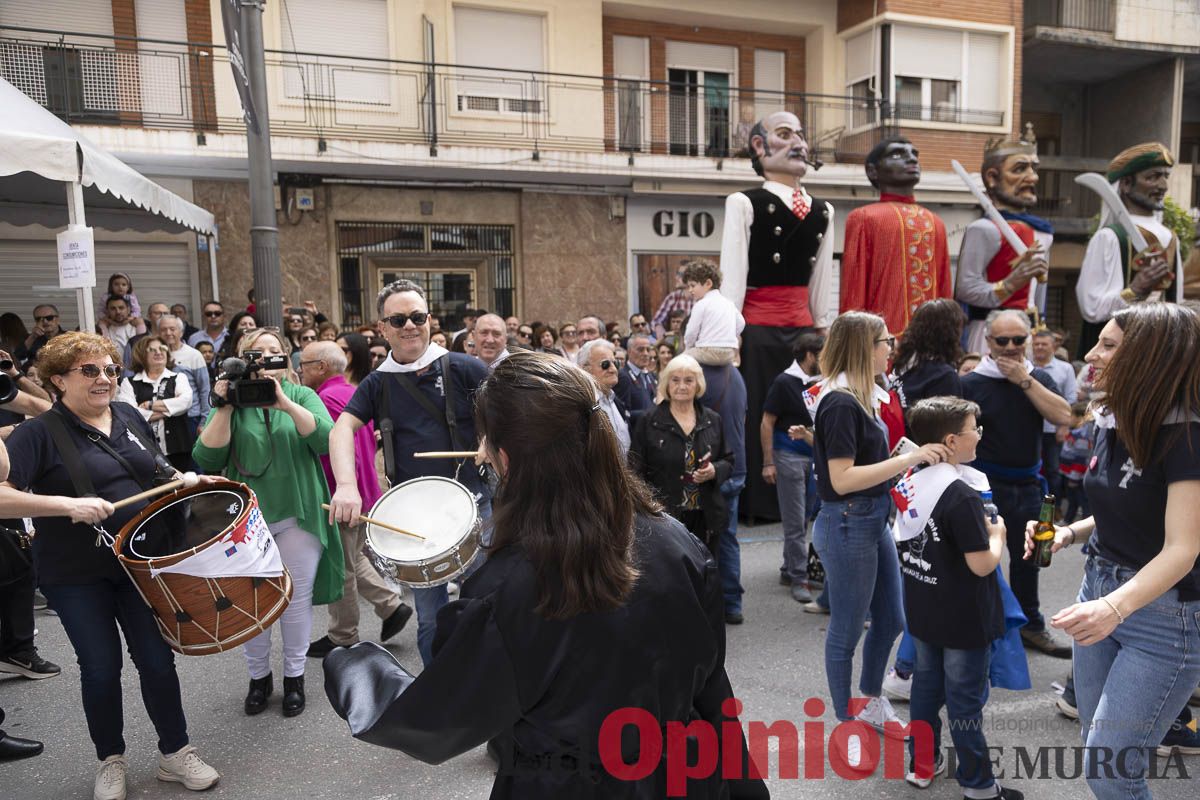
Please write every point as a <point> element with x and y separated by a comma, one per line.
<point>322,369</point>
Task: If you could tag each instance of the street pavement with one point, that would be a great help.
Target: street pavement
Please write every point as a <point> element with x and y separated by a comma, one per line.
<point>775,662</point>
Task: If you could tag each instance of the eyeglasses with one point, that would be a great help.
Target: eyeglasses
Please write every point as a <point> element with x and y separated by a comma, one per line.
<point>1004,340</point>
<point>312,338</point>
<point>47,318</point>
<point>91,371</point>
<point>314,361</point>
<point>525,333</point>
<point>157,351</point>
<point>978,431</point>
<point>607,364</point>
<point>891,342</point>
<point>567,333</point>
<point>213,314</point>
<point>398,320</point>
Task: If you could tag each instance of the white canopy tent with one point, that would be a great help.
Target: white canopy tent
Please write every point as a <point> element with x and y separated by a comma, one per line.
<point>37,150</point>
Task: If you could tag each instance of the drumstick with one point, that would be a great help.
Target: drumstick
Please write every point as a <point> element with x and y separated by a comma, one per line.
<point>189,479</point>
<point>383,525</point>
<point>447,454</point>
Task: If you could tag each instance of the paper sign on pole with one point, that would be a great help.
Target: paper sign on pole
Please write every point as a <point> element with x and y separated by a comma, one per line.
<point>76,259</point>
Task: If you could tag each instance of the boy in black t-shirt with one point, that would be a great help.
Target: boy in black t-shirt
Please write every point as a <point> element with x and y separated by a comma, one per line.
<point>949,551</point>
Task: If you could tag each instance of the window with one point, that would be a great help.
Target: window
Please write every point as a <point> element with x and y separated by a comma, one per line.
<point>698,98</point>
<point>512,46</point>
<point>940,74</point>
<point>862,73</point>
<point>359,28</point>
<point>631,66</point>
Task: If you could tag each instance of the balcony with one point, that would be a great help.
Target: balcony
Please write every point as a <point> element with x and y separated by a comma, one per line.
<point>156,84</point>
<point>1084,15</point>
<point>1068,205</point>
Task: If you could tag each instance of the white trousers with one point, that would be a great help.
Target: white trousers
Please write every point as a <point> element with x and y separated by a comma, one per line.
<point>300,551</point>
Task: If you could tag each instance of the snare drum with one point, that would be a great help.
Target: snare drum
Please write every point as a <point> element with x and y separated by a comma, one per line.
<point>440,509</point>
<point>202,615</point>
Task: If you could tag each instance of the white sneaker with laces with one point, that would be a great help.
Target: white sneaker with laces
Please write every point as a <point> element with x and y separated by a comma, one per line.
<point>877,713</point>
<point>896,687</point>
<point>188,768</point>
<point>110,779</point>
<point>939,766</point>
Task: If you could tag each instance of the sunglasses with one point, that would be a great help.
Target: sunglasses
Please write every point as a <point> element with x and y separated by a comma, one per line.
<point>92,371</point>
<point>398,320</point>
<point>1004,340</point>
<point>157,350</point>
<point>213,313</point>
<point>524,333</point>
<point>308,338</point>
<point>891,341</point>
<point>607,364</point>
<point>47,318</point>
<point>567,333</point>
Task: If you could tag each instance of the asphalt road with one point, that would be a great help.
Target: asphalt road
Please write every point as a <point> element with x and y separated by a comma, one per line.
<point>775,662</point>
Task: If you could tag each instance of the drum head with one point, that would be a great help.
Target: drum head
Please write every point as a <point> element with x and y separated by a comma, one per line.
<point>441,510</point>
<point>185,523</point>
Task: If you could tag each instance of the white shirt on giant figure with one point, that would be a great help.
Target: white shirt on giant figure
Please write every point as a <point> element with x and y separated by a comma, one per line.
<point>735,254</point>
<point>1101,277</point>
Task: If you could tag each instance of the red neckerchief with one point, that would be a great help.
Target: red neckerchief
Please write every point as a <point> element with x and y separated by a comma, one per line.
<point>888,197</point>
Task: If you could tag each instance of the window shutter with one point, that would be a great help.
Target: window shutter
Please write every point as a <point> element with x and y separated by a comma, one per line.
<point>986,71</point>
<point>505,39</point>
<point>709,57</point>
<point>629,57</point>
<point>359,28</point>
<point>927,52</point>
<point>862,57</point>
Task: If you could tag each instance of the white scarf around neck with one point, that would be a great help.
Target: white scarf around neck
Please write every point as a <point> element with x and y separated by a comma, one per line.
<point>988,369</point>
<point>819,391</point>
<point>918,492</point>
<point>432,353</point>
<point>796,371</point>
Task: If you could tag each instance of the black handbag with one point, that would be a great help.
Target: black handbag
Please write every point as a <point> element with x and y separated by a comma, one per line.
<point>16,555</point>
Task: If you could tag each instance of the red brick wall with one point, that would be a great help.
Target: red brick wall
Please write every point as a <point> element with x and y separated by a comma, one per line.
<point>660,32</point>
<point>199,31</point>
<point>852,12</point>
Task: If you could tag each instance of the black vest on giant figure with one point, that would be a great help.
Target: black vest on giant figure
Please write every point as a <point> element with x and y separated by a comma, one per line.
<point>783,248</point>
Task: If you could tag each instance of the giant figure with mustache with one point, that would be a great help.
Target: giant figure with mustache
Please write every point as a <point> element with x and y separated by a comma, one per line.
<point>990,273</point>
<point>1112,276</point>
<point>777,268</point>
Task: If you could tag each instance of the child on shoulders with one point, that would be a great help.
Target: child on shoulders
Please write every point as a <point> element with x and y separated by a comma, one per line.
<point>712,330</point>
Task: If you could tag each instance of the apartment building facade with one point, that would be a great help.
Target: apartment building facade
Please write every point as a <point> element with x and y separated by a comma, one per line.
<point>538,157</point>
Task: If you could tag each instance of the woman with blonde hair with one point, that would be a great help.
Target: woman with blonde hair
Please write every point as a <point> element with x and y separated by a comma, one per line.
<point>850,457</point>
<point>275,451</point>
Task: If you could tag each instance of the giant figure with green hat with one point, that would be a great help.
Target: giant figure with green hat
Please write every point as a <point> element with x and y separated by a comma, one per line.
<point>1114,276</point>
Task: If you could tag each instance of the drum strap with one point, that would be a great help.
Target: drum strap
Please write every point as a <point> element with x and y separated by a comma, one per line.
<point>446,416</point>
<point>68,453</point>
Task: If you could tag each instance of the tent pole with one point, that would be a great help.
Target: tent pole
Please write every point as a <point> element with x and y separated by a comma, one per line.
<point>212,267</point>
<point>83,296</point>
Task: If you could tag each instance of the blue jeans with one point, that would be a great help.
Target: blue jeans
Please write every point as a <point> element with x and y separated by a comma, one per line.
<point>906,653</point>
<point>428,602</point>
<point>1018,503</point>
<point>729,554</point>
<point>90,614</point>
<point>791,485</point>
<point>958,680</point>
<point>862,574</point>
<point>1131,685</point>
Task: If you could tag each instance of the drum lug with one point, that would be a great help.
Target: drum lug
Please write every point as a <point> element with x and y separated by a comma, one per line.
<point>425,572</point>
<point>182,616</point>
<point>223,603</point>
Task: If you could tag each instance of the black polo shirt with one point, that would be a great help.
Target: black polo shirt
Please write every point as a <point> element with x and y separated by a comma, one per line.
<point>414,427</point>
<point>65,552</point>
<point>945,603</point>
<point>1130,504</point>
<point>843,430</point>
<point>1012,425</point>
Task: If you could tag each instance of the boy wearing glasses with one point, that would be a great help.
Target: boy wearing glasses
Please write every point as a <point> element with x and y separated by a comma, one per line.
<point>1015,398</point>
<point>949,551</point>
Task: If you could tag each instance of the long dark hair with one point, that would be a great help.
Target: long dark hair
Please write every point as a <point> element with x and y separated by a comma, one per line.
<point>1154,373</point>
<point>933,334</point>
<point>359,357</point>
<point>568,499</point>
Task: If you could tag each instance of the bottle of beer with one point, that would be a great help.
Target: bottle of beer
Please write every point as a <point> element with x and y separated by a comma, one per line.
<point>1043,534</point>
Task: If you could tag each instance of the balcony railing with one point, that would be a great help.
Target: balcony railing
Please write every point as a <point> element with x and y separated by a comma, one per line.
<point>1088,15</point>
<point>158,84</point>
<point>1060,198</point>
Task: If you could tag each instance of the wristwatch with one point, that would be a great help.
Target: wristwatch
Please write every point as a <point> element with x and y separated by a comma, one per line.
<point>1025,384</point>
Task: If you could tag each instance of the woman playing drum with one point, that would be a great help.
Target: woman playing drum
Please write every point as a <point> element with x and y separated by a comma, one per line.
<point>591,601</point>
<point>275,452</point>
<point>78,575</point>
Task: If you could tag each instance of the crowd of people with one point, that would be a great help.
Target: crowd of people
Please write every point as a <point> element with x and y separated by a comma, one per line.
<point>607,461</point>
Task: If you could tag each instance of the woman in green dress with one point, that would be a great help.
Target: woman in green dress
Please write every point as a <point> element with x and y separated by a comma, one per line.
<point>275,452</point>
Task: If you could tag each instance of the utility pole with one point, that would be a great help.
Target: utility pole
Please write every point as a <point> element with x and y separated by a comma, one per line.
<point>264,236</point>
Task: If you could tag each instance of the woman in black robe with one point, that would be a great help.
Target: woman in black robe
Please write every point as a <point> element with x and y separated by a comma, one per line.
<point>591,601</point>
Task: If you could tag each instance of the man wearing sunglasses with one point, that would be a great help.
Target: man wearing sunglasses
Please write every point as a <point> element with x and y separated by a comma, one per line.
<point>214,330</point>
<point>45,328</point>
<point>425,396</point>
<point>1015,399</point>
<point>598,360</point>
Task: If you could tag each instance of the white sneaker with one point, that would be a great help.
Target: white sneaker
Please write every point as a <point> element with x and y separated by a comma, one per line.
<point>878,713</point>
<point>896,687</point>
<point>188,768</point>
<point>939,766</point>
<point>452,588</point>
<point>110,779</point>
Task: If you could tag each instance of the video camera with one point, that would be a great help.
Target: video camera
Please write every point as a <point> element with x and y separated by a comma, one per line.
<point>8,388</point>
<point>246,389</point>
